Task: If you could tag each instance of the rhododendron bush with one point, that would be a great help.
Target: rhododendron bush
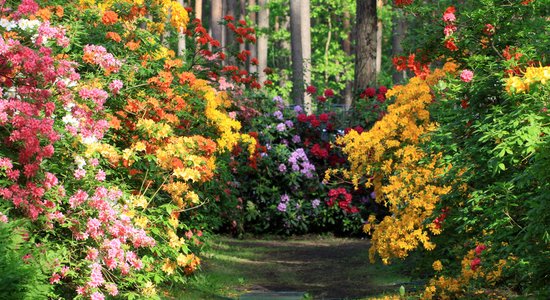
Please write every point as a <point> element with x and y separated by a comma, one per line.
<point>461,157</point>
<point>107,142</point>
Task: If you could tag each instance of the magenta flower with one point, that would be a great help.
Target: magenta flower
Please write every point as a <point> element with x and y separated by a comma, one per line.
<point>466,75</point>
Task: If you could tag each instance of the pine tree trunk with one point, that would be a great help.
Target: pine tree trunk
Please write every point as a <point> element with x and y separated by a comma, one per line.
<point>301,52</point>
<point>198,9</point>
<point>365,54</point>
<point>379,4</point>
<point>216,15</point>
<point>251,46</point>
<point>398,34</point>
<point>181,36</point>
<point>263,27</point>
<point>346,45</point>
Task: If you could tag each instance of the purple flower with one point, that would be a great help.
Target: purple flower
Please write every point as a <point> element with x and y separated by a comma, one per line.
<point>289,124</point>
<point>285,198</point>
<point>315,203</point>
<point>278,114</point>
<point>373,195</point>
<point>298,109</point>
<point>282,168</point>
<point>281,207</point>
<point>281,127</point>
<point>296,139</point>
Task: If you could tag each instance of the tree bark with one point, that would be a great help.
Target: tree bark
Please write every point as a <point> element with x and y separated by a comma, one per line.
<point>398,35</point>
<point>181,36</point>
<point>216,15</point>
<point>230,10</point>
<point>263,27</point>
<point>301,52</point>
<point>365,54</point>
<point>379,4</point>
<point>346,45</point>
<point>251,46</point>
<point>198,9</point>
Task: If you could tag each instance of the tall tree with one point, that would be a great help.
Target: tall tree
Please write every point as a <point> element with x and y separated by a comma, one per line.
<point>263,27</point>
<point>365,54</point>
<point>301,51</point>
<point>181,36</point>
<point>216,15</point>
<point>230,8</point>
<point>379,5</point>
<point>398,35</point>
<point>346,45</point>
<point>198,9</point>
<point>252,46</point>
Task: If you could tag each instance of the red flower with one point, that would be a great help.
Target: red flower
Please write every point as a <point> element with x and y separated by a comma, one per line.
<point>302,118</point>
<point>381,98</point>
<point>229,18</point>
<point>268,82</point>
<point>311,89</point>
<point>474,264</point>
<point>489,29</point>
<point>480,248</point>
<point>254,61</point>
<point>464,103</point>
<point>370,92</point>
<point>323,117</point>
<point>382,89</point>
<point>450,44</point>
<point>315,122</point>
<point>329,93</point>
<point>321,99</point>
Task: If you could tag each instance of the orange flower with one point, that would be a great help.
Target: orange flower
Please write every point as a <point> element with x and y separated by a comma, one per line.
<point>44,13</point>
<point>59,11</point>
<point>109,17</point>
<point>133,46</point>
<point>113,36</point>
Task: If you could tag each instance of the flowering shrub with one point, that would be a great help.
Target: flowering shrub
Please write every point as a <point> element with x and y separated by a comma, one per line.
<point>480,170</point>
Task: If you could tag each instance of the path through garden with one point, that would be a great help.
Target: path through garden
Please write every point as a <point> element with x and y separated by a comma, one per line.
<point>323,268</point>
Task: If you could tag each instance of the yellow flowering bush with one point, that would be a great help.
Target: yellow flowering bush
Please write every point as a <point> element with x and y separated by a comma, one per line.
<point>389,158</point>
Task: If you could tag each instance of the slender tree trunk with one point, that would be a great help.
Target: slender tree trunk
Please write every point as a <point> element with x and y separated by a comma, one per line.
<point>379,4</point>
<point>216,15</point>
<point>181,36</point>
<point>346,45</point>
<point>301,52</point>
<point>263,27</point>
<point>398,34</point>
<point>198,9</point>
<point>284,62</point>
<point>242,16</point>
<point>306,51</point>
<point>230,10</point>
<point>251,46</point>
<point>365,54</point>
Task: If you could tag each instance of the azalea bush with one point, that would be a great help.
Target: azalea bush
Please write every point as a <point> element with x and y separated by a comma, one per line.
<point>458,158</point>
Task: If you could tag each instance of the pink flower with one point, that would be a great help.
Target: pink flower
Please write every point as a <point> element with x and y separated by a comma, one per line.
<point>449,29</point>
<point>111,289</point>
<point>466,75</point>
<point>3,218</point>
<point>97,296</point>
<point>79,173</point>
<point>100,176</point>
<point>115,86</point>
<point>449,17</point>
<point>55,278</point>
<point>96,277</point>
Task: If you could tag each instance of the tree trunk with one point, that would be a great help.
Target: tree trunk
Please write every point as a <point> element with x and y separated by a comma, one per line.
<point>301,52</point>
<point>230,10</point>
<point>365,54</point>
<point>216,15</point>
<point>346,45</point>
<point>198,9</point>
<point>398,34</point>
<point>251,46</point>
<point>306,51</point>
<point>181,36</point>
<point>263,27</point>
<point>379,4</point>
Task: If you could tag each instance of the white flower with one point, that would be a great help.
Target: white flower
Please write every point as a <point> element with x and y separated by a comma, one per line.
<point>9,25</point>
<point>80,162</point>
<point>69,119</point>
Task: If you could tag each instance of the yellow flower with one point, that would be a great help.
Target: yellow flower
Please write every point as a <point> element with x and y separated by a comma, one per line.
<point>437,266</point>
<point>168,267</point>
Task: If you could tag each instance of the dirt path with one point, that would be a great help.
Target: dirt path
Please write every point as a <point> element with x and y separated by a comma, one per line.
<point>325,268</point>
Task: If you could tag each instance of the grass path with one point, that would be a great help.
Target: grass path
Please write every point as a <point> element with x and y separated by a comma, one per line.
<point>325,268</point>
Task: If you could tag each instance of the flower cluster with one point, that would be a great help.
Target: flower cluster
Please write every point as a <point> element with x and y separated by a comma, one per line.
<point>300,163</point>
